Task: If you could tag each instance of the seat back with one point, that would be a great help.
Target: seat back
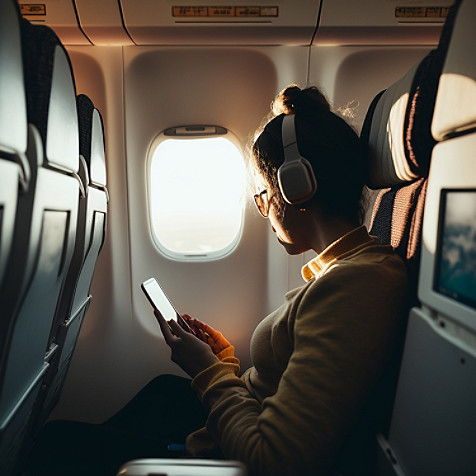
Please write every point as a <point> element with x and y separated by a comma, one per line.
<point>398,143</point>
<point>14,169</point>
<point>44,233</point>
<point>14,173</point>
<point>90,235</point>
<point>433,423</point>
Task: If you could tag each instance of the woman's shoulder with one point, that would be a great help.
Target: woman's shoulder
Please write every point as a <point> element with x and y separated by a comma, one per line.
<point>374,258</point>
<point>368,271</point>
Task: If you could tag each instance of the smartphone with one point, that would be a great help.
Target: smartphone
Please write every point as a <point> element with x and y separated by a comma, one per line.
<point>159,300</point>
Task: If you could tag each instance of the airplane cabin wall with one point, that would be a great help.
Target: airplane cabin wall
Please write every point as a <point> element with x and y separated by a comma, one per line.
<point>141,91</point>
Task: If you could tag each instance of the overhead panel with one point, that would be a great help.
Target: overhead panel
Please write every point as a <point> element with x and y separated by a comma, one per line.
<point>381,22</point>
<point>220,22</point>
<point>101,21</point>
<point>60,15</point>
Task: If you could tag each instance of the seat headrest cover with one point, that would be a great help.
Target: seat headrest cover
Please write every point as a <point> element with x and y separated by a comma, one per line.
<point>97,170</point>
<point>51,96</point>
<point>91,143</point>
<point>13,120</point>
<point>38,45</point>
<point>62,137</point>
<point>419,141</point>
<point>387,162</point>
<point>397,131</point>
<point>455,108</point>
<point>85,109</point>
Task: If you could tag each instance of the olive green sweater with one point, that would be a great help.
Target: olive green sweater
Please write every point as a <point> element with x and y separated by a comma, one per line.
<point>315,361</point>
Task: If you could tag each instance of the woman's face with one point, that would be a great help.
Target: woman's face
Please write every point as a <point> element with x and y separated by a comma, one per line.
<point>289,225</point>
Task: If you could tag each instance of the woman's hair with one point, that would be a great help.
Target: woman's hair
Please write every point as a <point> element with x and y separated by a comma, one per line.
<point>326,141</point>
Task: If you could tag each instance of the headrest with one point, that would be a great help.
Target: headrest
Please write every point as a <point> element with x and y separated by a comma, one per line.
<point>13,121</point>
<point>396,130</point>
<point>92,140</point>
<point>51,95</point>
<point>98,158</point>
<point>455,108</point>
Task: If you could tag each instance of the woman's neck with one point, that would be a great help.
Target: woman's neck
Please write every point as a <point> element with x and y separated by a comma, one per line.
<point>328,230</point>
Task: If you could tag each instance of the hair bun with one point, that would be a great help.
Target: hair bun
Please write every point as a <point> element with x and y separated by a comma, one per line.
<point>293,99</point>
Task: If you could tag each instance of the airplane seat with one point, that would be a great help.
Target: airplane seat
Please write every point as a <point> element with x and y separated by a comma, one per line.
<point>182,467</point>
<point>396,221</point>
<point>14,169</point>
<point>43,237</point>
<point>433,421</point>
<point>399,143</point>
<point>396,134</point>
<point>14,179</point>
<point>397,138</point>
<point>91,230</point>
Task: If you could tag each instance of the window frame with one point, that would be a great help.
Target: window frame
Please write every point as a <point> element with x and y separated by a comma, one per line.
<point>192,133</point>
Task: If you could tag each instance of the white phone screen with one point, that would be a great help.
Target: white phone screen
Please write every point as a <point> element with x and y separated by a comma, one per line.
<point>158,299</point>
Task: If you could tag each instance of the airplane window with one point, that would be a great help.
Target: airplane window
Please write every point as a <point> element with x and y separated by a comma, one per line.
<point>196,197</point>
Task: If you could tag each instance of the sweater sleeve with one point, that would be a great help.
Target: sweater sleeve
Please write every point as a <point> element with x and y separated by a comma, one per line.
<point>344,330</point>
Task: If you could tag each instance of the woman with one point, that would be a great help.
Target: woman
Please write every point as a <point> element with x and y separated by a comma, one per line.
<point>316,359</point>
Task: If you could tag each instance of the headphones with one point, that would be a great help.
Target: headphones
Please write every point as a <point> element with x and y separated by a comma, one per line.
<point>296,178</point>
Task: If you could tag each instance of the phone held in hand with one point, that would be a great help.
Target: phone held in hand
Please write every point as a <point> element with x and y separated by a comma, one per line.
<point>159,301</point>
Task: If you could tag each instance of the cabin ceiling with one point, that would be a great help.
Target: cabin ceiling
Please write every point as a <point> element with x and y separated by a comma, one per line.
<point>254,22</point>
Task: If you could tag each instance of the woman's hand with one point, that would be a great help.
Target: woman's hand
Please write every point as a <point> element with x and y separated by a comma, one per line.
<point>207,334</point>
<point>188,351</point>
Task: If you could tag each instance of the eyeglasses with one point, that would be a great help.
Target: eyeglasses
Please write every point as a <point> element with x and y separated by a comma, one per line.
<point>262,202</point>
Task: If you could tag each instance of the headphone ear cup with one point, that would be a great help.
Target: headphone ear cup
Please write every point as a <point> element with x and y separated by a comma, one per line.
<point>296,178</point>
<point>297,181</point>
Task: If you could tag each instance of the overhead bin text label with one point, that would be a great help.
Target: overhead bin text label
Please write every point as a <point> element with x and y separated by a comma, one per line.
<point>33,9</point>
<point>241,12</point>
<point>421,12</point>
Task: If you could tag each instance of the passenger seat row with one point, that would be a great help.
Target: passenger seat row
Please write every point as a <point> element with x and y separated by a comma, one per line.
<point>53,206</point>
<point>421,135</point>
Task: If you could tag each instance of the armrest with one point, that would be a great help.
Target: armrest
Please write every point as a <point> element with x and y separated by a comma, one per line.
<point>182,467</point>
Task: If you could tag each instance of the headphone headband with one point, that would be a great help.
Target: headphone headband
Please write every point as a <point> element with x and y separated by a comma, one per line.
<point>296,178</point>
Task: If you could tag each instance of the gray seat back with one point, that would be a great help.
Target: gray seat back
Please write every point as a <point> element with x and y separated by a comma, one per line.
<point>434,422</point>
<point>14,176</point>
<point>44,233</point>
<point>90,235</point>
<point>396,135</point>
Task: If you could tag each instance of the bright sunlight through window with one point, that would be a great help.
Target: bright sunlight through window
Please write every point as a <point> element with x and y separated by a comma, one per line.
<point>196,197</point>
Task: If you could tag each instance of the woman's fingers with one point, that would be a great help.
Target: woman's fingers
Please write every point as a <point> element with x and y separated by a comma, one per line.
<point>207,334</point>
<point>164,327</point>
<point>190,353</point>
<point>177,328</point>
<point>206,328</point>
<point>196,329</point>
<point>211,342</point>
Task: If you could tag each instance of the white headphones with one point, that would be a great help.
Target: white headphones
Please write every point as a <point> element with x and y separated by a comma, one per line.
<point>296,178</point>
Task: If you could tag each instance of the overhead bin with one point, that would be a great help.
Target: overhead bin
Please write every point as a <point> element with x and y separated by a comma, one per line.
<point>79,22</point>
<point>253,22</point>
<point>59,15</point>
<point>377,22</point>
<point>220,22</point>
<point>177,22</point>
<point>101,22</point>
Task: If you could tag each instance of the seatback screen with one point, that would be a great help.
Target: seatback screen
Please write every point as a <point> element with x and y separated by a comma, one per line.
<point>455,274</point>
